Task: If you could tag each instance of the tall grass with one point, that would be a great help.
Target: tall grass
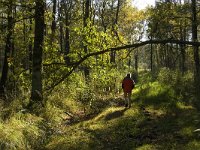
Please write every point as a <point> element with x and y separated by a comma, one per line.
<point>21,131</point>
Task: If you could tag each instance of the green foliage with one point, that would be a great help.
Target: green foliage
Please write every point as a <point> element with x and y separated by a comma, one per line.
<point>182,84</point>
<point>102,81</point>
<point>108,77</point>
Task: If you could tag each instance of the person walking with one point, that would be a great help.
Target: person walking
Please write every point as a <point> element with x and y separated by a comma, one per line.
<point>127,85</point>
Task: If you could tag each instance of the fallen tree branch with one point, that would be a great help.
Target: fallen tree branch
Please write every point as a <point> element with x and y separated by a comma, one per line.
<point>135,45</point>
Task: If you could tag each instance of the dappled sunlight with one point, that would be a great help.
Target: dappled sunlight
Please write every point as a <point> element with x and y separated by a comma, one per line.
<point>147,147</point>
<point>108,112</point>
<point>78,139</point>
<point>99,74</point>
<point>156,112</point>
<point>188,131</point>
<point>96,125</point>
<point>134,111</point>
<point>181,105</point>
<point>155,94</point>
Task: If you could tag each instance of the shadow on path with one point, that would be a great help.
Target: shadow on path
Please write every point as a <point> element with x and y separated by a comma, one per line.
<point>115,114</point>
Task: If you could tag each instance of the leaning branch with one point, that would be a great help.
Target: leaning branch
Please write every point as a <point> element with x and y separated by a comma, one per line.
<point>135,45</point>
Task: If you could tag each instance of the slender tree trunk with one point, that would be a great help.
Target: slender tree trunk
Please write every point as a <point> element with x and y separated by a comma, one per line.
<point>195,48</point>
<point>115,22</point>
<point>136,60</point>
<point>67,32</point>
<point>36,93</point>
<point>30,47</point>
<point>4,74</point>
<point>102,16</point>
<point>182,48</point>
<point>8,49</point>
<point>182,59</point>
<point>53,24</point>
<point>166,56</point>
<point>26,60</point>
<point>151,56</point>
<point>60,14</point>
<point>85,23</point>
<point>67,42</point>
<point>157,57</point>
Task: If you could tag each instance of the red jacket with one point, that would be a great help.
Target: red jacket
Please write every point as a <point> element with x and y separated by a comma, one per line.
<point>128,84</point>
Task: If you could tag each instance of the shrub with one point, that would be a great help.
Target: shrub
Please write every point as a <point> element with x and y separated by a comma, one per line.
<point>183,85</point>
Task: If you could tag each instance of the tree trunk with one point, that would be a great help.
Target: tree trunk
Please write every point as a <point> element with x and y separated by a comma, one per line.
<point>36,93</point>
<point>67,42</point>
<point>30,47</point>
<point>67,32</point>
<point>85,23</point>
<point>151,56</point>
<point>4,75</point>
<point>60,15</point>
<point>103,16</point>
<point>115,21</point>
<point>195,48</point>
<point>182,48</point>
<point>8,49</point>
<point>136,60</point>
<point>53,24</point>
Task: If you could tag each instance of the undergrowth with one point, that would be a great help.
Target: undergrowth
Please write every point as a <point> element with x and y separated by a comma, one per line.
<point>21,131</point>
<point>162,116</point>
<point>81,116</point>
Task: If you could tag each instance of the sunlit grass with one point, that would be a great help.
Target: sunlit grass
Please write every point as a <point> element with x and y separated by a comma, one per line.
<point>20,131</point>
<point>187,131</point>
<point>182,105</point>
<point>146,147</point>
<point>193,145</point>
<point>106,112</point>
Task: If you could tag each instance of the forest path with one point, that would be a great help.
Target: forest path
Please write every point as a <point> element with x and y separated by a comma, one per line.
<point>147,125</point>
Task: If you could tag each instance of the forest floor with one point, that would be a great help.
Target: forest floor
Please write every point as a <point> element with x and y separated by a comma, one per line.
<point>152,123</point>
